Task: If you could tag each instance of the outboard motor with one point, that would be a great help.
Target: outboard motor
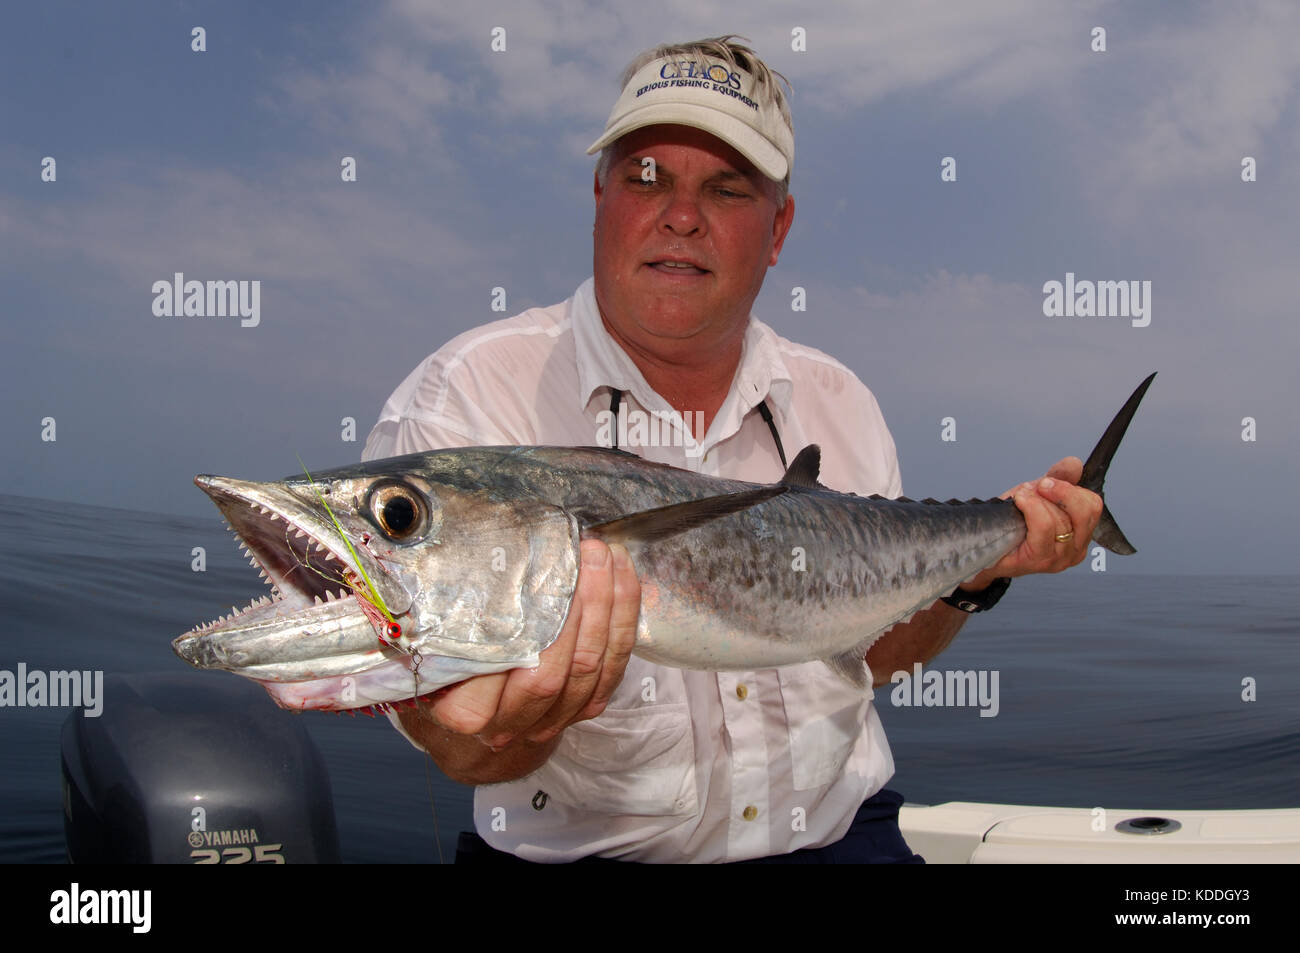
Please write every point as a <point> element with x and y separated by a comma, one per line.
<point>193,770</point>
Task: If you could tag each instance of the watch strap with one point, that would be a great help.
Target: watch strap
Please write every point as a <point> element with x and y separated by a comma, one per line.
<point>980,601</point>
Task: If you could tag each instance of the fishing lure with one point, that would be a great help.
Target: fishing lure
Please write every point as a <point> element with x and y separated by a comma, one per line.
<point>371,602</point>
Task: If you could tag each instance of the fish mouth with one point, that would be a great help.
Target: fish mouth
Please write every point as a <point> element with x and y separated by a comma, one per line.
<point>319,591</point>
<point>299,565</point>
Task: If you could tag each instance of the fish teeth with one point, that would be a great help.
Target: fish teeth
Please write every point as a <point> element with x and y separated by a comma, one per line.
<point>329,596</point>
<point>319,600</point>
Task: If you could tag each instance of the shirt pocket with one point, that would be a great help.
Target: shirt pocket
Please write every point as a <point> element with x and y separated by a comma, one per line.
<point>626,761</point>
<point>825,716</point>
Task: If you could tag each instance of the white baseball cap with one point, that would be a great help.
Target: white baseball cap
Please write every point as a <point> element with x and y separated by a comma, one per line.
<point>709,94</point>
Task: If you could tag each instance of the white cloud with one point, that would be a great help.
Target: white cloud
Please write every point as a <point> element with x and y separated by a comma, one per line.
<point>1198,94</point>
<point>565,59</point>
<point>150,222</point>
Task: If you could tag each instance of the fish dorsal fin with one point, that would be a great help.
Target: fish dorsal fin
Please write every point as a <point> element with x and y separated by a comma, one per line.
<point>649,526</point>
<point>806,468</point>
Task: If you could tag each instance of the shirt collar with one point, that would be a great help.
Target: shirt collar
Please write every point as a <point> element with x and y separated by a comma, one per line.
<point>604,365</point>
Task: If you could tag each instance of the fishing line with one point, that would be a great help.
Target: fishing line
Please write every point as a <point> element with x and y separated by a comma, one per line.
<point>373,602</point>
<point>375,598</point>
<point>373,613</point>
<point>307,565</point>
<point>433,808</point>
<point>428,777</point>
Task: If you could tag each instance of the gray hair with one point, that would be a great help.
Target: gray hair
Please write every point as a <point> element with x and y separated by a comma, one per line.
<point>767,85</point>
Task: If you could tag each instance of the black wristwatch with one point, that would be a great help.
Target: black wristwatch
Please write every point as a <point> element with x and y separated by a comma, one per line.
<point>978,601</point>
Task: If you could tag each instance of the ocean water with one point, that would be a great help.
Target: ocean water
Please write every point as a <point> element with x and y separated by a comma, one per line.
<point>1115,690</point>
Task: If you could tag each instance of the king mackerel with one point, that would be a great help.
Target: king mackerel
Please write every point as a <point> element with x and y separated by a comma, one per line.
<point>394,578</point>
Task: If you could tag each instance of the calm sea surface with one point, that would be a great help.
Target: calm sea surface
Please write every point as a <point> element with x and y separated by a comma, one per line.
<point>1118,690</point>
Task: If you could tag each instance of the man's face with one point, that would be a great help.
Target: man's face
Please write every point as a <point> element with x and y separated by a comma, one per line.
<point>679,260</point>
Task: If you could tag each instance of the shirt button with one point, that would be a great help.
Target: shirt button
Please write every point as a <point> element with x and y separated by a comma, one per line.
<point>742,692</point>
<point>750,813</point>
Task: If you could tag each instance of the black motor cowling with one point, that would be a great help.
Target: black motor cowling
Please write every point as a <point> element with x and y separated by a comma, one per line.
<point>192,769</point>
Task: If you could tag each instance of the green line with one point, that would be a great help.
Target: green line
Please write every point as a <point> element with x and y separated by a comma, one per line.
<point>376,598</point>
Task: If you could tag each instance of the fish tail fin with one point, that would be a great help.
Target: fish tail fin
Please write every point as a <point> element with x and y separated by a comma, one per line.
<point>1108,533</point>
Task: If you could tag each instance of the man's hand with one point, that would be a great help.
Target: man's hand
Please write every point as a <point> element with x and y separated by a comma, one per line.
<point>1053,506</point>
<point>495,727</point>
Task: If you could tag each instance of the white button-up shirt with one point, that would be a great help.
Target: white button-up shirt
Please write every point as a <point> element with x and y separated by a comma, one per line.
<point>682,765</point>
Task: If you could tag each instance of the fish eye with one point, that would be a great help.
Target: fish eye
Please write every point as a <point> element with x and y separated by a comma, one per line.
<point>398,510</point>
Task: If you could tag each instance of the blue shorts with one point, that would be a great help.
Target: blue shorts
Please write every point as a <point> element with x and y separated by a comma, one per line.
<point>872,838</point>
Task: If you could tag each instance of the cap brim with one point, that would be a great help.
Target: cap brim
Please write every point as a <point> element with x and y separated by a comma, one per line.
<point>740,136</point>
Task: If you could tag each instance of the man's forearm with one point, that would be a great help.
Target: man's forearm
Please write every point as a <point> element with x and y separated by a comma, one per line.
<point>925,636</point>
<point>467,760</point>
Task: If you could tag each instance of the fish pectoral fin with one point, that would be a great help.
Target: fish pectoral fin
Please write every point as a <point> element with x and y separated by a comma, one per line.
<point>664,521</point>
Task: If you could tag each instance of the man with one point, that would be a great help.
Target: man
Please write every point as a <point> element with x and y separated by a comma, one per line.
<point>600,753</point>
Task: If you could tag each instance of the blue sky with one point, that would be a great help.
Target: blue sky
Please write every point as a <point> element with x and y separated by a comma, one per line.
<point>1115,165</point>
